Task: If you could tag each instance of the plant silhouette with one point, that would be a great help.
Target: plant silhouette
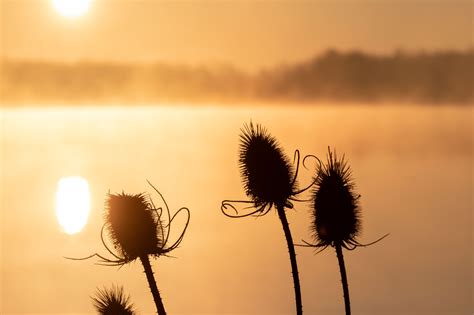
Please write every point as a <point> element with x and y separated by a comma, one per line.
<point>112,302</point>
<point>138,229</point>
<point>336,213</point>
<point>269,181</point>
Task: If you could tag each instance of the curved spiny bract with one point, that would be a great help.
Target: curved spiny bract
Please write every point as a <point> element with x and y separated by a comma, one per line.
<point>335,204</point>
<point>112,302</point>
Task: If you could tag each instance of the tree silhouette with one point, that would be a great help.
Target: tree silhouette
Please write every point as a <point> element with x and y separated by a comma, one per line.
<point>269,181</point>
<point>138,229</point>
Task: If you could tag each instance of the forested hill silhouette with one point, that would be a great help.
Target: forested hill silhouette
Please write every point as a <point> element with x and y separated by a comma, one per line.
<point>431,78</point>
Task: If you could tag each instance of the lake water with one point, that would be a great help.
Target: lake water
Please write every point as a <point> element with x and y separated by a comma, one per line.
<point>413,166</point>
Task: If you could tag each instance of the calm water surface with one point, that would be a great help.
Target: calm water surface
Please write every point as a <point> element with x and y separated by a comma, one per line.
<point>413,167</point>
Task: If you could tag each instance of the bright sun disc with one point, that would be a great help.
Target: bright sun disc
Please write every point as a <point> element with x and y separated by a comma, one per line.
<point>72,203</point>
<point>71,8</point>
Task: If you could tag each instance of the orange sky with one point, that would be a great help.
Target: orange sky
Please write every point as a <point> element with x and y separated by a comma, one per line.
<point>248,34</point>
<point>412,165</point>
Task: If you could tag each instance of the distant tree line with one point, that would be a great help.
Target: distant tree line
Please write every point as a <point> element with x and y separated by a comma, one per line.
<point>436,77</point>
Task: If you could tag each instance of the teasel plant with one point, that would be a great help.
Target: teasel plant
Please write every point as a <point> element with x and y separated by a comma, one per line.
<point>270,182</point>
<point>137,229</point>
<point>336,213</point>
<point>112,301</point>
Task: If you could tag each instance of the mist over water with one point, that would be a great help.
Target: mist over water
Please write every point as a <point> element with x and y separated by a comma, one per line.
<point>441,77</point>
<point>411,164</point>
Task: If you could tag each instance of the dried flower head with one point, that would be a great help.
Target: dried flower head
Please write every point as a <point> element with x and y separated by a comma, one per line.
<point>266,172</point>
<point>335,203</point>
<point>133,225</point>
<point>112,302</point>
<point>137,228</point>
<point>269,178</point>
<point>336,211</point>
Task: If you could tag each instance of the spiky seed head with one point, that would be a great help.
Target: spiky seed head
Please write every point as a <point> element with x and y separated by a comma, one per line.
<point>335,204</point>
<point>266,172</point>
<point>132,225</point>
<point>112,302</point>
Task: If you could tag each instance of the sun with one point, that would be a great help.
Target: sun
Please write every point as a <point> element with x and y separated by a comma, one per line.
<point>71,8</point>
<point>72,203</point>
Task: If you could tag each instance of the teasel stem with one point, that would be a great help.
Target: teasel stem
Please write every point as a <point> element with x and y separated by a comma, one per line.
<point>294,265</point>
<point>345,286</point>
<point>151,282</point>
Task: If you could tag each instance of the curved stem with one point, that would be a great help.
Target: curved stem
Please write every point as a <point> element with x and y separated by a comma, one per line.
<point>151,282</point>
<point>345,286</point>
<point>294,265</point>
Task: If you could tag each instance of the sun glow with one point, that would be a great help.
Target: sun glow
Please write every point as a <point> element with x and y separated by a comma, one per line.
<point>71,8</point>
<point>72,204</point>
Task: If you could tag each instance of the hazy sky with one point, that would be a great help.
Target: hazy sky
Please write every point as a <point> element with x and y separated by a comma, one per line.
<point>247,34</point>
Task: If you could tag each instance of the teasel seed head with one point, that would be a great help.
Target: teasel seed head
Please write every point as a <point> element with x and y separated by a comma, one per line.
<point>133,225</point>
<point>112,302</point>
<point>335,204</point>
<point>266,172</point>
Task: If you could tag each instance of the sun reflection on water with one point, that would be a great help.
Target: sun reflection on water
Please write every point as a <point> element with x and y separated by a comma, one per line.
<point>72,204</point>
